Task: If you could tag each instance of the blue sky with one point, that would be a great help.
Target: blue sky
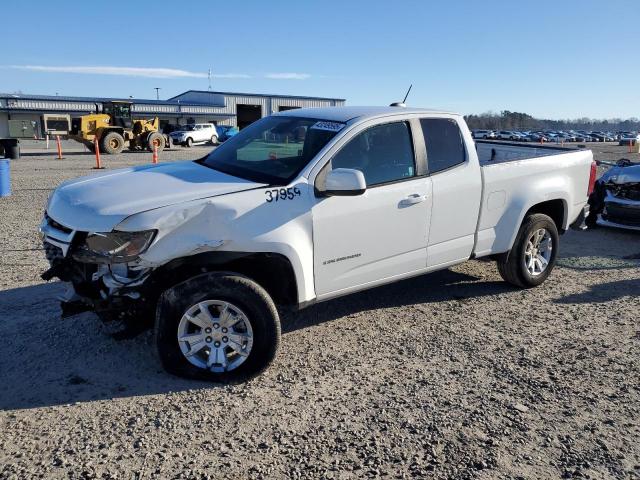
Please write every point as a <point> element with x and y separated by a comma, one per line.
<point>552,59</point>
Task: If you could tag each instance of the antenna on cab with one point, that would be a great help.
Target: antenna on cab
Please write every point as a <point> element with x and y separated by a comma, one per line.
<point>402,103</point>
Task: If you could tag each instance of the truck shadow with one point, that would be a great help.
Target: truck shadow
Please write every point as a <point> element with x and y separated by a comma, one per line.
<point>605,292</point>
<point>443,285</point>
<point>50,361</point>
<point>47,361</point>
<point>600,249</point>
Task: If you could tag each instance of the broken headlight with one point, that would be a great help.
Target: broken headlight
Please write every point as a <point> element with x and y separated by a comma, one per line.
<point>114,247</point>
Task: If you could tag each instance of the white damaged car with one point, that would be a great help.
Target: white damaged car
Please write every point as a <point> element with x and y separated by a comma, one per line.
<point>301,207</point>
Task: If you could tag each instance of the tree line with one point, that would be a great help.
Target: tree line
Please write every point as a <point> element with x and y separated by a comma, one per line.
<point>507,120</point>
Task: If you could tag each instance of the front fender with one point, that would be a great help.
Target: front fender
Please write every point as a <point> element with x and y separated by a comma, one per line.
<point>238,222</point>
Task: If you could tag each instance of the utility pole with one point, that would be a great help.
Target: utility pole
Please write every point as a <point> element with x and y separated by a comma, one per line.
<point>209,76</point>
<point>157,92</point>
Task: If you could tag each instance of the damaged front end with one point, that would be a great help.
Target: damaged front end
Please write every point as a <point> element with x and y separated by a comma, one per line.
<point>615,201</point>
<point>102,270</point>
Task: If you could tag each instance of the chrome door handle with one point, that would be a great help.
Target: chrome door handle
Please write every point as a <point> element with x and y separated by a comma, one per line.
<point>413,199</point>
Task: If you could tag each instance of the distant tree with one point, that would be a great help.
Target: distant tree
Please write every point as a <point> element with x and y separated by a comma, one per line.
<point>507,120</point>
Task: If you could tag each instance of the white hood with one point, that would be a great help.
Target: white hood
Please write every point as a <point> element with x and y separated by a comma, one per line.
<point>98,203</point>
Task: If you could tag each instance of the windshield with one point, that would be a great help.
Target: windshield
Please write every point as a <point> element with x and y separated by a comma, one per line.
<point>186,128</point>
<point>274,149</point>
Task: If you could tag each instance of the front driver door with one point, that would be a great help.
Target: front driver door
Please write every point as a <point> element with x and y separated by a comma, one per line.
<point>381,234</point>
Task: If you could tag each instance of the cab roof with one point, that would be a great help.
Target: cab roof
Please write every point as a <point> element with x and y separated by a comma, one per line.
<point>346,114</point>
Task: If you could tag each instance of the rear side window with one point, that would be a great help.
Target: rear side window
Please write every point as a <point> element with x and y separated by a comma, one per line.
<point>383,153</point>
<point>443,139</point>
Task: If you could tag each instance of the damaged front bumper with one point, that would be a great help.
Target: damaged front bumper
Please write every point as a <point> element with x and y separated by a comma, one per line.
<point>620,212</point>
<point>100,287</point>
<point>615,201</point>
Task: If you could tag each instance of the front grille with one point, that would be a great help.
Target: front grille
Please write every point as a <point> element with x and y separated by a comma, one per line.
<point>629,193</point>
<point>53,253</point>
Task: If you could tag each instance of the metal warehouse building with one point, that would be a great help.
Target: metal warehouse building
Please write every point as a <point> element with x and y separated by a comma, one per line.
<point>23,116</point>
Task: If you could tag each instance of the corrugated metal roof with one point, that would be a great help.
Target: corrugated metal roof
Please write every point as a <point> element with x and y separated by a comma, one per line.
<point>172,100</point>
<point>268,95</point>
<point>23,96</point>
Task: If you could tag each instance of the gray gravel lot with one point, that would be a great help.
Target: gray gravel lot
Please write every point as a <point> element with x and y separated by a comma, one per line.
<point>449,375</point>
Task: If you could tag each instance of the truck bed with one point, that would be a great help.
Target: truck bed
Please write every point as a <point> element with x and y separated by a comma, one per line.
<point>517,176</point>
<point>499,152</point>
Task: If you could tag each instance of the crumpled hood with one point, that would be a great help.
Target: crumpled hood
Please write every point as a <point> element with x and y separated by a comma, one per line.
<point>622,174</point>
<point>97,203</point>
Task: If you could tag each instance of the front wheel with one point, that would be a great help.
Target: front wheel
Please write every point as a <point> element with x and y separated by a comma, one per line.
<point>155,139</point>
<point>189,142</point>
<point>534,252</point>
<point>214,140</point>
<point>217,326</point>
<point>112,143</point>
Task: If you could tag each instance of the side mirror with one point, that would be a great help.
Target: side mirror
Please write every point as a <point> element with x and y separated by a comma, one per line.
<point>344,182</point>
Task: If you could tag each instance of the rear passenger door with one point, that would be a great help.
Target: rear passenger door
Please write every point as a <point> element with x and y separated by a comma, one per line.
<point>457,190</point>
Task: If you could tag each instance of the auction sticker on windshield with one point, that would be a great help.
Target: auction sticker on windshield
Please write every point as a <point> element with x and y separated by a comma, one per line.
<point>329,126</point>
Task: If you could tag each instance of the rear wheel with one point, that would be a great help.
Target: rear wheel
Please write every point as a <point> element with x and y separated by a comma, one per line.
<point>217,326</point>
<point>214,140</point>
<point>112,143</point>
<point>534,252</point>
<point>155,139</point>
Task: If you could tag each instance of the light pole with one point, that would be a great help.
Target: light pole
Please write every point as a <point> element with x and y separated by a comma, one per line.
<point>157,93</point>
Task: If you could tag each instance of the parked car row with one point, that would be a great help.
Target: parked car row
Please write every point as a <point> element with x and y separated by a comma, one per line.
<point>556,136</point>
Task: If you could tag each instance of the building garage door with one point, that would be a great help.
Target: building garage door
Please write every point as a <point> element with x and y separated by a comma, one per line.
<point>247,114</point>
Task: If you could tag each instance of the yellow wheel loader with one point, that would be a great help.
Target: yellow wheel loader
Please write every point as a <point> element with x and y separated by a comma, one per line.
<point>115,129</point>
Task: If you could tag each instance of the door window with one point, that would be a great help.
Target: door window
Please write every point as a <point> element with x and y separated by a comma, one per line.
<point>444,142</point>
<point>383,153</point>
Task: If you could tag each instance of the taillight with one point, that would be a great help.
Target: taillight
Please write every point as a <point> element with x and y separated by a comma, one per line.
<point>592,177</point>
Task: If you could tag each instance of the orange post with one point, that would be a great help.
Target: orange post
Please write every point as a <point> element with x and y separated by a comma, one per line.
<point>155,154</point>
<point>97,150</point>
<point>59,145</point>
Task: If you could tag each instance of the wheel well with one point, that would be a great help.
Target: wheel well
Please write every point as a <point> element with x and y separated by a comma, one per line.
<point>551,208</point>
<point>272,271</point>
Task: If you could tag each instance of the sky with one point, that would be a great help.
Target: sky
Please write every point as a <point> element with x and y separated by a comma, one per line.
<point>551,59</point>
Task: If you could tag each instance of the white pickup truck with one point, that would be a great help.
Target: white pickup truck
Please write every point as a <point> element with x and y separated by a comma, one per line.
<point>302,207</point>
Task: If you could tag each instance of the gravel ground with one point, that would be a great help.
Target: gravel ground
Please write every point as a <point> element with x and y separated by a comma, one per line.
<point>449,375</point>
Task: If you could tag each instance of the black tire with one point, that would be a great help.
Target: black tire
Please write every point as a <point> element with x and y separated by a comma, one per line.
<point>189,142</point>
<point>511,265</point>
<point>214,140</point>
<point>155,138</point>
<point>241,291</point>
<point>112,143</point>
